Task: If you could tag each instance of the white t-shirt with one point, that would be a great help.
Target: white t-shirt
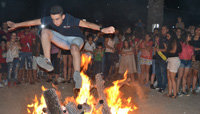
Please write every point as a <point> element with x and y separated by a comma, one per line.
<point>89,47</point>
<point>111,43</point>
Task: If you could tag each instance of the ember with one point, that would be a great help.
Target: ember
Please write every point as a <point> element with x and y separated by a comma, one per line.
<point>109,100</point>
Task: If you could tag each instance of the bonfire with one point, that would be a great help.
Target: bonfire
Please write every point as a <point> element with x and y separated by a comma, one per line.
<point>109,101</point>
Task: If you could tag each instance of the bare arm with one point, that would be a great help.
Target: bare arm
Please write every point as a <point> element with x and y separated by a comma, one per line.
<point>108,30</point>
<point>13,25</point>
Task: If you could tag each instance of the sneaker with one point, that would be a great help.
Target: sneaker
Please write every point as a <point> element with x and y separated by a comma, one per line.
<point>18,82</point>
<point>152,87</point>
<point>1,85</point>
<point>9,84</point>
<point>194,92</point>
<point>198,90</point>
<point>69,81</point>
<point>185,93</point>
<point>5,82</point>
<point>77,79</point>
<point>44,63</point>
<point>157,88</point>
<point>179,94</point>
<point>64,81</point>
<point>161,90</point>
<point>14,83</point>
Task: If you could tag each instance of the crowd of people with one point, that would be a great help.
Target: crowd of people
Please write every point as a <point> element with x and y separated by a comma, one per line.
<point>168,59</point>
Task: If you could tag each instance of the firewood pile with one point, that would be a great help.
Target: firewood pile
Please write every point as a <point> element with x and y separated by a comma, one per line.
<point>54,106</point>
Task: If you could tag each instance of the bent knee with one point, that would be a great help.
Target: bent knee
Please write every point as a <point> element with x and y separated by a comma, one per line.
<point>46,32</point>
<point>74,47</point>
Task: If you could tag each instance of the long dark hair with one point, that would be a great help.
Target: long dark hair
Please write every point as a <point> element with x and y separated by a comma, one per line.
<point>172,42</point>
<point>129,46</point>
<point>186,36</point>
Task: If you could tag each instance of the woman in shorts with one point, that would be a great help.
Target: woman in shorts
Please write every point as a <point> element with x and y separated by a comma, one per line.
<point>186,61</point>
<point>146,58</point>
<point>195,63</point>
<point>173,50</point>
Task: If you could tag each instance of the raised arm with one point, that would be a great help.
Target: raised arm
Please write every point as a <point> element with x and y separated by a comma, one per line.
<point>13,25</point>
<point>107,30</point>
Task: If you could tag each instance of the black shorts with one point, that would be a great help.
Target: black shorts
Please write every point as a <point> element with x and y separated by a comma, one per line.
<point>65,52</point>
<point>56,63</point>
<point>3,68</point>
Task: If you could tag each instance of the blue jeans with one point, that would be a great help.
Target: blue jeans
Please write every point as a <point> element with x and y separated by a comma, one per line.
<point>161,73</point>
<point>13,68</point>
<point>153,66</point>
<point>108,62</point>
<point>26,59</point>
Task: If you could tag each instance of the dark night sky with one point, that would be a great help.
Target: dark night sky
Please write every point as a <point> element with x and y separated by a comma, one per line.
<point>117,12</point>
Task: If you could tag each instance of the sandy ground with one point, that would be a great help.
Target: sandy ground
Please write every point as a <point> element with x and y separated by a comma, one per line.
<point>13,100</point>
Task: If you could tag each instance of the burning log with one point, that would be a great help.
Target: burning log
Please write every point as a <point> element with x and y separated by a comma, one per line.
<point>73,109</point>
<point>100,89</point>
<point>52,102</point>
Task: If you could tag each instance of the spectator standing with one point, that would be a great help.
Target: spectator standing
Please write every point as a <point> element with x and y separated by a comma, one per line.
<point>12,59</point>
<point>173,63</point>
<point>179,23</point>
<point>127,60</point>
<point>109,53</point>
<point>98,58</point>
<point>146,58</point>
<point>26,56</point>
<point>186,61</point>
<point>195,64</point>
<point>3,65</point>
<point>160,62</point>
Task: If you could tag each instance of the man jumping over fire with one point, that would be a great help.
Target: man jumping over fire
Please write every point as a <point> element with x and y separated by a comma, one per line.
<point>62,30</point>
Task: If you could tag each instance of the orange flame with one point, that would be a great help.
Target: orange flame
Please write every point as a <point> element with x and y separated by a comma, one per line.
<point>84,94</point>
<point>37,106</point>
<point>115,101</point>
<point>114,96</point>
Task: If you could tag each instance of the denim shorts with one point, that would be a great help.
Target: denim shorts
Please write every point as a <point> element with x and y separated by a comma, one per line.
<point>65,42</point>
<point>144,61</point>
<point>186,64</point>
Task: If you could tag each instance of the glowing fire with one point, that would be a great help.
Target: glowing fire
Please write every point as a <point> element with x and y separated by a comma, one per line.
<point>115,102</point>
<point>84,94</point>
<point>114,96</point>
<point>37,106</point>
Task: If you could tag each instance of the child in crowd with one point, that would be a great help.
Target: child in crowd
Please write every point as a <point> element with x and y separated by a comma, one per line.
<point>98,57</point>
<point>127,60</point>
<point>12,59</point>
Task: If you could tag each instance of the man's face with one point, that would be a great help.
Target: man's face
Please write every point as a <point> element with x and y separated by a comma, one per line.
<point>164,30</point>
<point>57,19</point>
<point>197,31</point>
<point>178,32</point>
<point>5,26</point>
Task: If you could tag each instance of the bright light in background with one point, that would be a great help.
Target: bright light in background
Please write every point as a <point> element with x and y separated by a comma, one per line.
<point>42,26</point>
<point>84,20</point>
<point>155,26</point>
